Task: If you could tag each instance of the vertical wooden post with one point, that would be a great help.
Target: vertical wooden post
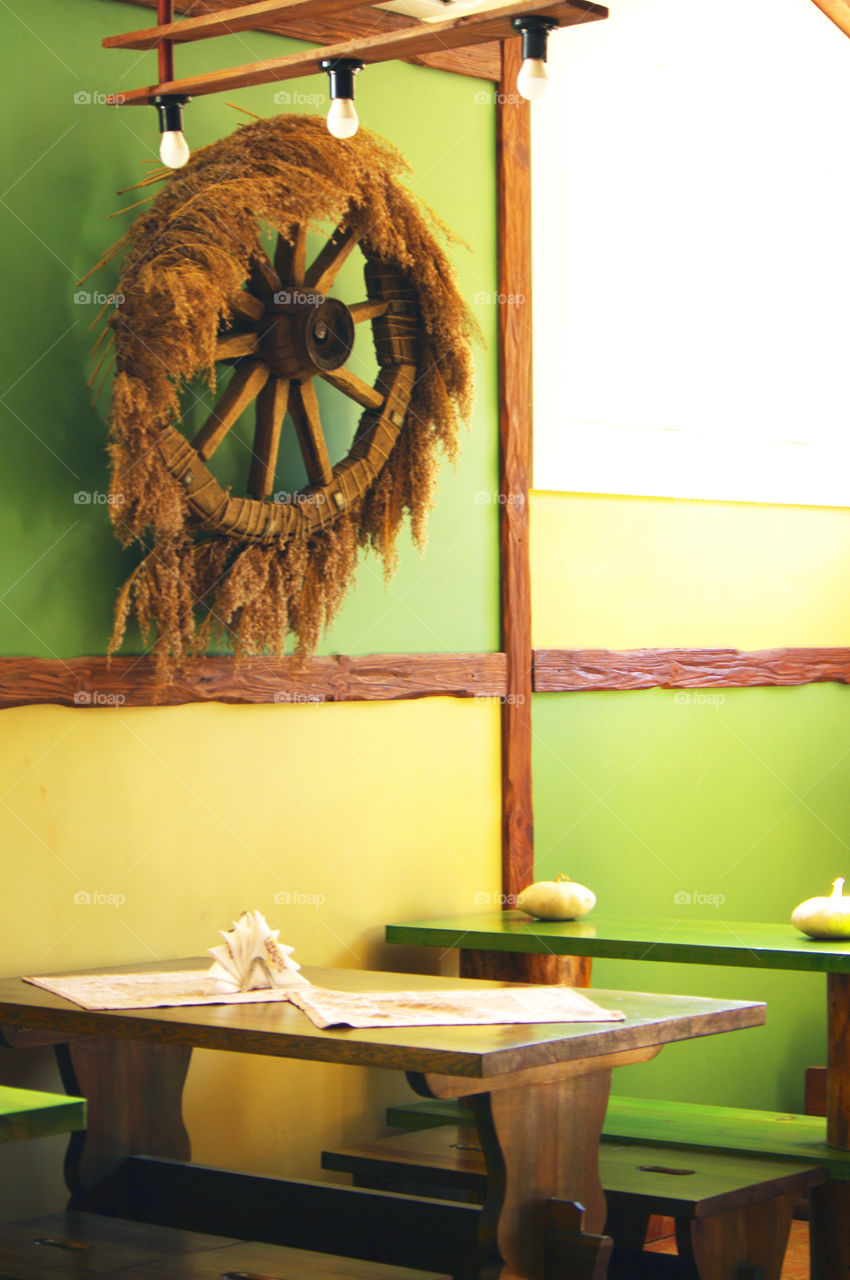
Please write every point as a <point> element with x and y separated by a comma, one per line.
<point>838,1066</point>
<point>513,178</point>
<point>514,282</point>
<point>165,49</point>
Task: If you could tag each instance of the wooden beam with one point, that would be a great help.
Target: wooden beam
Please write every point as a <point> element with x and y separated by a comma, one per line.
<point>227,22</point>
<point>480,61</point>
<point>514,328</point>
<point>132,682</point>
<point>412,41</point>
<point>513,183</point>
<point>577,670</point>
<point>377,1226</point>
<point>838,11</point>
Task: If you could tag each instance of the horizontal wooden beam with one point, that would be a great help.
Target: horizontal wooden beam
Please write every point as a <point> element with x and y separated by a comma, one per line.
<point>132,682</point>
<point>227,22</point>
<point>483,61</point>
<point>375,1226</point>
<point>838,11</point>
<point>577,670</point>
<point>412,41</point>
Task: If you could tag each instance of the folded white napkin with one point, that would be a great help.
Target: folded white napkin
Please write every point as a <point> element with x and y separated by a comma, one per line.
<point>252,959</point>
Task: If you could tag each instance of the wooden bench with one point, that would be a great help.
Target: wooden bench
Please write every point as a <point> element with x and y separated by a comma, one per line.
<point>80,1245</point>
<point>732,1211</point>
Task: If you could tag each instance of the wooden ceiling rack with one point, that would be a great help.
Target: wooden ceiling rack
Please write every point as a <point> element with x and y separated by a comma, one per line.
<point>413,41</point>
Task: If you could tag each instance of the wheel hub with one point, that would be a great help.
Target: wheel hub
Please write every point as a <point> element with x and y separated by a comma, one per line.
<point>306,335</point>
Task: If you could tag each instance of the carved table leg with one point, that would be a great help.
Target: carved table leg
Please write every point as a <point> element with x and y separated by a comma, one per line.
<point>134,1090</point>
<point>539,1130</point>
<point>539,1143</point>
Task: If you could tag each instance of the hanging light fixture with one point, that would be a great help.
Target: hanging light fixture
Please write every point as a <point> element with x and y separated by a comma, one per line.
<point>173,147</point>
<point>343,121</point>
<point>532,79</point>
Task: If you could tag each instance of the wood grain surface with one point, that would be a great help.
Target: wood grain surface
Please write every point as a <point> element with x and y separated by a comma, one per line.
<point>481,61</point>
<point>838,1056</point>
<point>414,40</point>
<point>281,1030</point>
<point>838,11</point>
<point>513,142</point>
<point>132,682</point>
<point>576,670</point>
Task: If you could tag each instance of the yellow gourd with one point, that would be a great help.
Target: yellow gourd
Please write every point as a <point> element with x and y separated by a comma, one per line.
<point>825,917</point>
<point>559,899</point>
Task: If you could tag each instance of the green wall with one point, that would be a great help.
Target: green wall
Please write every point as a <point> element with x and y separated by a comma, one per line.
<point>62,163</point>
<point>738,795</point>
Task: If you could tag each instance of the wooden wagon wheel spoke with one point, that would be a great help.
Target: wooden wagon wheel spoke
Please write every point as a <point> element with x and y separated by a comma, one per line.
<point>361,311</point>
<point>234,345</point>
<point>264,279</point>
<point>290,258</point>
<point>353,387</point>
<point>304,408</point>
<point>321,273</point>
<point>246,383</point>
<point>271,409</point>
<point>246,307</point>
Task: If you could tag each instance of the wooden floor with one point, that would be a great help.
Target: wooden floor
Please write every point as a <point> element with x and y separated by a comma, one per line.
<point>796,1266</point>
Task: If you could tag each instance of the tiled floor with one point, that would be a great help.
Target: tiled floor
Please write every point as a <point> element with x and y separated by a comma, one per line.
<point>796,1266</point>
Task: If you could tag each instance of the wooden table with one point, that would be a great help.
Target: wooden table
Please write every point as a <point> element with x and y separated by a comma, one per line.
<point>720,942</point>
<point>539,1092</point>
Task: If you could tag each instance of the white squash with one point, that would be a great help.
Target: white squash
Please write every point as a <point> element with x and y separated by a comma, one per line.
<point>559,899</point>
<point>825,917</point>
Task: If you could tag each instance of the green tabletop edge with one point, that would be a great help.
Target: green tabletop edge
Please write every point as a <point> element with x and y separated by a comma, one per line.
<point>719,942</point>
<point>28,1113</point>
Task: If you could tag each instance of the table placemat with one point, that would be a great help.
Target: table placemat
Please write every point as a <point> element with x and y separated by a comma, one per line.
<point>327,1008</point>
<point>101,991</point>
<point>519,1004</point>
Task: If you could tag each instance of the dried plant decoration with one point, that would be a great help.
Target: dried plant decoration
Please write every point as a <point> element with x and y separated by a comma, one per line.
<point>199,291</point>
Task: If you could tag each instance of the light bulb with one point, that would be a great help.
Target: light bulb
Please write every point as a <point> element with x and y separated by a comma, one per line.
<point>173,149</point>
<point>343,120</point>
<point>532,80</point>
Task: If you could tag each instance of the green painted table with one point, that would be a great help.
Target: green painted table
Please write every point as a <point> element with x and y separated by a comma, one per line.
<point>720,942</point>
<point>26,1113</point>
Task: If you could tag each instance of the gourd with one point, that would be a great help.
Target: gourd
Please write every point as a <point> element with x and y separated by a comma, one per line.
<point>825,917</point>
<point>559,899</point>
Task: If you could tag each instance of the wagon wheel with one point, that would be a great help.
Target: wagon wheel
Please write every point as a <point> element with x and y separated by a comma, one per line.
<point>283,333</point>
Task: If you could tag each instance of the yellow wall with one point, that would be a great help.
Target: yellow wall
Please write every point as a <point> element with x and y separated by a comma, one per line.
<point>193,813</point>
<point>631,573</point>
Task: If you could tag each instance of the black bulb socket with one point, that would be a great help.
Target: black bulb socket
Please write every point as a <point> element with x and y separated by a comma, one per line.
<point>535,35</point>
<point>170,110</point>
<point>341,73</point>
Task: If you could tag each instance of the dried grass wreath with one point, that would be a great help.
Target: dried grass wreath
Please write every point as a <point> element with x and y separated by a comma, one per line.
<point>198,288</point>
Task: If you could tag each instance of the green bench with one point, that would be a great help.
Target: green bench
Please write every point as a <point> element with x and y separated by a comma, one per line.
<point>75,1246</point>
<point>28,1113</point>
<point>681,1124</point>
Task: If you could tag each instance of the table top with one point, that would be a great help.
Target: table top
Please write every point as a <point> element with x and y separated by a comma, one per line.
<point>29,1113</point>
<point>280,1029</point>
<point>716,941</point>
